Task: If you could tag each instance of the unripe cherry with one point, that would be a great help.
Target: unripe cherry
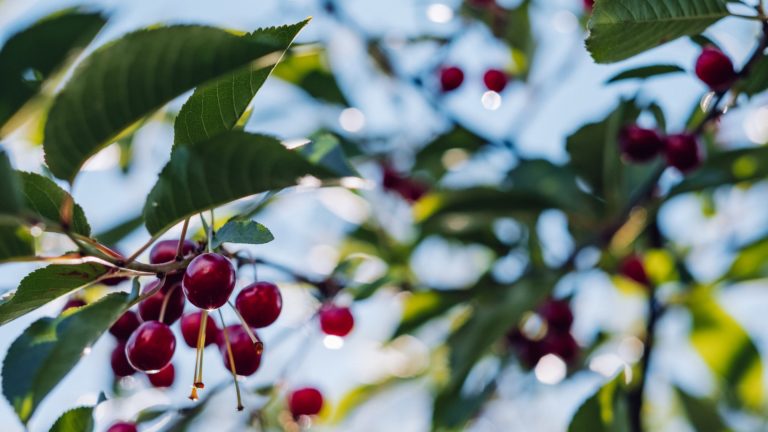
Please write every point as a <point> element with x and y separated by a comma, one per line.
<point>715,69</point>
<point>165,251</point>
<point>164,377</point>
<point>150,348</point>
<point>638,144</point>
<point>451,78</point>
<point>125,325</point>
<point>305,401</point>
<point>683,152</point>
<point>119,362</point>
<point>632,267</point>
<point>149,308</point>
<point>260,304</point>
<point>495,80</point>
<point>558,314</point>
<point>209,281</point>
<point>247,355</point>
<point>123,427</point>
<point>336,321</point>
<point>190,329</point>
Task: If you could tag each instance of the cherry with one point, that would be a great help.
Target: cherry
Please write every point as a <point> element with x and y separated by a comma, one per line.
<point>149,308</point>
<point>190,328</point>
<point>260,304</point>
<point>562,345</point>
<point>119,362</point>
<point>638,144</point>
<point>451,78</point>
<point>411,190</point>
<point>558,314</point>
<point>633,268</point>
<point>125,325</point>
<point>150,348</point>
<point>683,152</point>
<point>123,427</point>
<point>247,355</point>
<point>336,321</point>
<point>529,351</point>
<point>715,69</point>
<point>209,281</point>
<point>164,377</point>
<point>589,5</point>
<point>495,80</point>
<point>73,302</point>
<point>165,251</point>
<point>305,401</point>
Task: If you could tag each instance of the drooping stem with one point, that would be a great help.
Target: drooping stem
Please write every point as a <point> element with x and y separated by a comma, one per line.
<point>256,342</point>
<point>201,349</point>
<point>231,361</point>
<point>182,237</point>
<point>165,302</point>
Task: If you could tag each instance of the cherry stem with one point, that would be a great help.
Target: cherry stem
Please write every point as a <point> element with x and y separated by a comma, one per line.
<point>151,292</point>
<point>256,342</point>
<point>144,247</point>
<point>165,302</point>
<point>200,350</point>
<point>231,361</point>
<point>182,237</point>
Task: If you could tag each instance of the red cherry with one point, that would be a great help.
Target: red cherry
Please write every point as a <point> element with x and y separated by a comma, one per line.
<point>190,328</point>
<point>164,377</point>
<point>390,177</point>
<point>125,325</point>
<point>589,5</point>
<point>529,352</point>
<point>451,78</point>
<point>209,281</point>
<point>683,152</point>
<point>247,355</point>
<point>165,251</point>
<point>633,268</point>
<point>122,427</point>
<point>260,304</point>
<point>73,302</point>
<point>558,314</point>
<point>305,401</point>
<point>119,362</point>
<point>336,321</point>
<point>562,345</point>
<point>495,80</point>
<point>715,69</point>
<point>149,308</point>
<point>150,348</point>
<point>638,144</point>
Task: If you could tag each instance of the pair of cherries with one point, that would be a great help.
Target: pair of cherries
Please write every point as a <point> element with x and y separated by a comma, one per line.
<point>640,145</point>
<point>557,339</point>
<point>451,78</point>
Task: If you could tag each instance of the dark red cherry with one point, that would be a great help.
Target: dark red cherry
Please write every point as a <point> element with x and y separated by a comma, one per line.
<point>633,268</point>
<point>495,80</point>
<point>149,308</point>
<point>123,427</point>
<point>150,348</point>
<point>562,345</point>
<point>715,69</point>
<point>163,378</point>
<point>73,302</point>
<point>683,152</point>
<point>558,314</point>
<point>336,321</point>
<point>260,304</point>
<point>638,144</point>
<point>125,325</point>
<point>451,78</point>
<point>190,328</point>
<point>247,355</point>
<point>589,5</point>
<point>119,362</point>
<point>165,251</point>
<point>209,281</point>
<point>305,401</point>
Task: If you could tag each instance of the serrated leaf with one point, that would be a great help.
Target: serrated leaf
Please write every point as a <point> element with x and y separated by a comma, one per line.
<point>605,411</point>
<point>227,167</point>
<point>218,106</point>
<point>144,70</point>
<point>47,284</point>
<point>702,413</point>
<point>729,167</point>
<point>34,54</point>
<point>75,420</point>
<point>243,232</point>
<point>49,348</point>
<point>644,72</point>
<point>620,29</point>
<point>15,243</point>
<point>45,199</point>
<point>309,70</point>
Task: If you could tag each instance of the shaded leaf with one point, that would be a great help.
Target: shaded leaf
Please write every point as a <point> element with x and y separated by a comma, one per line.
<point>605,411</point>
<point>728,167</point>
<point>118,232</point>
<point>757,79</point>
<point>242,231</point>
<point>750,263</point>
<point>15,243</point>
<point>75,420</point>
<point>46,199</point>
<point>644,72</point>
<point>702,413</point>
<point>309,70</point>
<point>430,158</point>
<point>10,190</point>
<point>325,150</point>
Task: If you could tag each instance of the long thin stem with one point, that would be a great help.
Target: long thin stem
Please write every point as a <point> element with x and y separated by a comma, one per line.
<point>182,238</point>
<point>201,349</point>
<point>231,361</point>
<point>256,342</point>
<point>143,247</point>
<point>167,297</point>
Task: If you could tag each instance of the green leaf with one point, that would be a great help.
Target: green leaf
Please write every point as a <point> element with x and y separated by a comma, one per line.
<point>620,29</point>
<point>75,420</point>
<point>47,284</point>
<point>750,263</point>
<point>605,411</point>
<point>430,158</point>
<point>10,190</point>
<point>422,306</point>
<point>309,70</point>
<point>757,80</point>
<point>218,106</point>
<point>49,348</point>
<point>325,150</point>
<point>33,55</point>
<point>727,349</point>
<point>729,167</point>
<point>644,72</point>
<point>702,413</point>
<point>364,291</point>
<point>242,231</point>
<point>46,199</point>
<point>224,168</point>
<point>144,70</point>
<point>452,410</point>
<point>15,243</point>
<point>118,232</point>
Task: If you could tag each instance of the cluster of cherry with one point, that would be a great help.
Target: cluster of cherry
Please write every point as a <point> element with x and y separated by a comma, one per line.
<point>551,336</point>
